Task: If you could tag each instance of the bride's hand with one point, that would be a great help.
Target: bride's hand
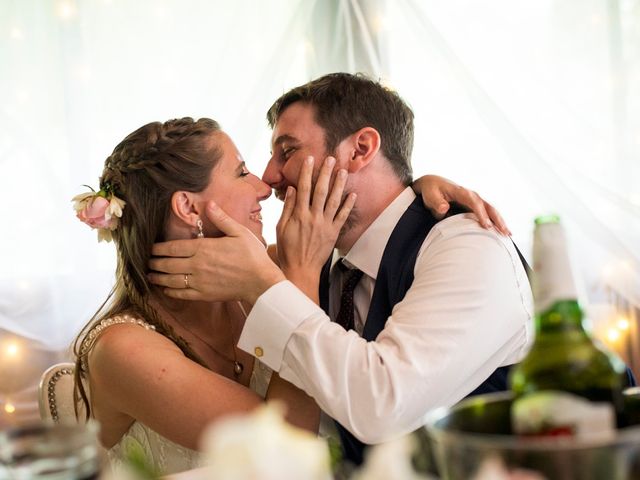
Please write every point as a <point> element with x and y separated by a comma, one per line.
<point>310,224</point>
<point>437,192</point>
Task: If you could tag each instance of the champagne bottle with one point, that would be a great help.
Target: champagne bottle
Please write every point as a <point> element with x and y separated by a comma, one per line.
<point>566,385</point>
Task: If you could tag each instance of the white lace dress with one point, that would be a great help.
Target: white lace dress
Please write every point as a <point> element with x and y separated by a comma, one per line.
<point>165,456</point>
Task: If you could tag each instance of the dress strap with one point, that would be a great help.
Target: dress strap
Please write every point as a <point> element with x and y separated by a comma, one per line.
<point>92,337</point>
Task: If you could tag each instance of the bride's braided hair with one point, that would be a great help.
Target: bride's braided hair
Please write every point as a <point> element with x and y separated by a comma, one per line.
<point>144,170</point>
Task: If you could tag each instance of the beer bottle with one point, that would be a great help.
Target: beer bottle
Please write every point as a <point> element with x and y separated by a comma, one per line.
<point>566,385</point>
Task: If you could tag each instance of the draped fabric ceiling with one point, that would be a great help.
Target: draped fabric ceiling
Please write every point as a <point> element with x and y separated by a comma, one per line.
<point>536,105</point>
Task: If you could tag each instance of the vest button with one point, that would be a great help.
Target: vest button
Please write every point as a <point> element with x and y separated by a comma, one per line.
<point>258,352</point>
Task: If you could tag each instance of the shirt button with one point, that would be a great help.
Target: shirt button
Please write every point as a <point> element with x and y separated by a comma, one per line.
<point>258,352</point>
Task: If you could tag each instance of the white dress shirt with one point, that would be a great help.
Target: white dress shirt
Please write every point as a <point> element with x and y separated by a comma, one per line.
<point>468,312</point>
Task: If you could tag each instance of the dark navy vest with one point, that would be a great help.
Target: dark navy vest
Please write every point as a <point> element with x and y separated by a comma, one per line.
<point>395,277</point>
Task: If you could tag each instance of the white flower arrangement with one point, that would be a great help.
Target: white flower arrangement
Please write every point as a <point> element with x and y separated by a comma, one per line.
<point>263,446</point>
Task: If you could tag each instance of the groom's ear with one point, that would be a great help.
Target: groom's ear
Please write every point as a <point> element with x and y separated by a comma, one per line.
<point>185,208</point>
<point>364,145</point>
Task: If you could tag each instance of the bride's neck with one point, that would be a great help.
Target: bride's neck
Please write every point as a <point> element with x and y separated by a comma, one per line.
<point>189,312</point>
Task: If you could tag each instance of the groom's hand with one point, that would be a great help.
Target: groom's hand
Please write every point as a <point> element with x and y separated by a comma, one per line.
<point>233,267</point>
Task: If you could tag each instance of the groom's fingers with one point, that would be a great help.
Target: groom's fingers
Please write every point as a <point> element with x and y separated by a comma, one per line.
<point>175,248</point>
<point>170,264</point>
<point>223,221</point>
<point>176,281</point>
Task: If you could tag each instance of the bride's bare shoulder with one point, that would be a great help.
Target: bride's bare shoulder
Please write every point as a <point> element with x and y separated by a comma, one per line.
<point>125,342</point>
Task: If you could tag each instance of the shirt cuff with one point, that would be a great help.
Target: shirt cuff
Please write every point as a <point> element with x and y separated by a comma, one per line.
<point>272,320</point>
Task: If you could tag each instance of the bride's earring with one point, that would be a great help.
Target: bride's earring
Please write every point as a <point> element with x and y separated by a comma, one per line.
<point>200,232</point>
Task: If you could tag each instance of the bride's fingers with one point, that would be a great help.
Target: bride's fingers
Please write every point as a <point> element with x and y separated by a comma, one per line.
<point>497,219</point>
<point>335,197</point>
<point>289,206</point>
<point>345,210</point>
<point>303,195</point>
<point>321,188</point>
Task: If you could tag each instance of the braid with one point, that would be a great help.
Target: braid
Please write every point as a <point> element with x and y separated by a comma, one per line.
<point>145,148</point>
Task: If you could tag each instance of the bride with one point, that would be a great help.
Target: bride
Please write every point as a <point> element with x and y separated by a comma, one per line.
<point>155,371</point>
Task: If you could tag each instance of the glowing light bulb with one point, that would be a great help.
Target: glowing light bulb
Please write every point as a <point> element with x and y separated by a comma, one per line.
<point>16,33</point>
<point>613,335</point>
<point>9,408</point>
<point>623,323</point>
<point>65,10</point>
<point>12,349</point>
<point>379,23</point>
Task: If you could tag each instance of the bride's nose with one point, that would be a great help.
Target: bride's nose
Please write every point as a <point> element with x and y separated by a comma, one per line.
<point>262,189</point>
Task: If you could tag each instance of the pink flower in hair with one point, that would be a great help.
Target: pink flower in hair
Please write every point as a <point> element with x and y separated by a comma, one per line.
<point>100,210</point>
<point>95,214</point>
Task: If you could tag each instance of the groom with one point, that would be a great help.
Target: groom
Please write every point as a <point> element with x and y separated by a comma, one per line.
<point>416,313</point>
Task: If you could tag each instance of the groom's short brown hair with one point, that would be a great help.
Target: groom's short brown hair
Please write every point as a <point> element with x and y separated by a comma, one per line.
<point>344,103</point>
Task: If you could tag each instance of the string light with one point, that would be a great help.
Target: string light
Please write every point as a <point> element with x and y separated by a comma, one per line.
<point>9,408</point>
<point>65,10</point>
<point>613,335</point>
<point>12,349</point>
<point>379,23</point>
<point>623,324</point>
<point>16,33</point>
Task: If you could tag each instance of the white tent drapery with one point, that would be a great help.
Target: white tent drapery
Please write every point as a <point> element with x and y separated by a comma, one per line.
<point>536,105</point>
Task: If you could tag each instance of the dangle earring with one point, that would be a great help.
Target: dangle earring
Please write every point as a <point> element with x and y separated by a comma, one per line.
<point>200,232</point>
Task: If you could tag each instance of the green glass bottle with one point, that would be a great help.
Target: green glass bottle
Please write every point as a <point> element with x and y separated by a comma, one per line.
<point>566,385</point>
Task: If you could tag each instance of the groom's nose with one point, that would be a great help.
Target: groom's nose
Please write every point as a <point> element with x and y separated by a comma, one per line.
<point>272,175</point>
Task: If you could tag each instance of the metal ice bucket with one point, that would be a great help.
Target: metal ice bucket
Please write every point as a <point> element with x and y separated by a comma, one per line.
<point>473,441</point>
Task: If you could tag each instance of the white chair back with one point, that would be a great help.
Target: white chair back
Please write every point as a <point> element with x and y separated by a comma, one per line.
<point>56,394</point>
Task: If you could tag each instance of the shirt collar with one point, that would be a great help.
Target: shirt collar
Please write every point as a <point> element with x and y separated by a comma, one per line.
<point>367,252</point>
